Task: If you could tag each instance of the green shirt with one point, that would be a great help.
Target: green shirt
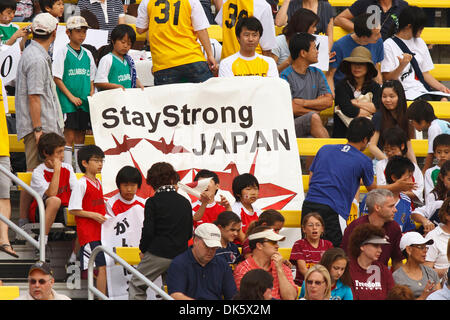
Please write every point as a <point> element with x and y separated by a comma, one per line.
<point>76,70</point>
<point>120,72</point>
<point>6,31</point>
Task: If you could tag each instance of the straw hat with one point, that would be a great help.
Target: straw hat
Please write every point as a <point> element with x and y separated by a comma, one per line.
<point>359,55</point>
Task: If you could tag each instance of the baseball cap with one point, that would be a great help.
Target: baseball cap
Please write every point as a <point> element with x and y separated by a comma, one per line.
<point>43,266</point>
<point>210,234</point>
<point>268,234</point>
<point>375,240</point>
<point>76,22</point>
<point>412,237</point>
<point>44,23</point>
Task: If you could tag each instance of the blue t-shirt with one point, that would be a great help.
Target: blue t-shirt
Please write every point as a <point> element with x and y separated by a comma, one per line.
<point>337,171</point>
<point>344,47</point>
<point>212,282</point>
<point>341,292</point>
<point>230,254</point>
<point>403,214</point>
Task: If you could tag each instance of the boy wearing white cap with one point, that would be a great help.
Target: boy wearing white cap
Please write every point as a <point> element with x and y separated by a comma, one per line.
<point>74,72</point>
<point>263,242</point>
<point>198,273</point>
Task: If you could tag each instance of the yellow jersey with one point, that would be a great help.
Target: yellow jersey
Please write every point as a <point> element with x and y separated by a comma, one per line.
<point>4,138</point>
<point>171,31</point>
<point>238,65</point>
<point>232,11</point>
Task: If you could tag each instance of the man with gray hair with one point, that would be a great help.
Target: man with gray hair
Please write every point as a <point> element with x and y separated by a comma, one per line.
<point>381,211</point>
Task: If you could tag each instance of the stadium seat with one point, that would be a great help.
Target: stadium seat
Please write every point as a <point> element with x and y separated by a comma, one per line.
<point>9,292</point>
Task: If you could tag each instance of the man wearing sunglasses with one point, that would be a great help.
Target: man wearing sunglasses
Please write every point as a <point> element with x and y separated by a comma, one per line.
<point>41,281</point>
<point>263,243</point>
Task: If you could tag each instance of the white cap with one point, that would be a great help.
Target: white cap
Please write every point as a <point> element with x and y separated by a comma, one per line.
<point>412,237</point>
<point>268,234</point>
<point>44,23</point>
<point>210,234</point>
<point>375,240</point>
<point>76,22</point>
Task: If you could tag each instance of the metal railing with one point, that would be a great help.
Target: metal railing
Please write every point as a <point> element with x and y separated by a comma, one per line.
<point>93,290</point>
<point>41,244</point>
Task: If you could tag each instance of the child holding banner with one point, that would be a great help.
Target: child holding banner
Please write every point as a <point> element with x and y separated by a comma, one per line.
<point>207,209</point>
<point>245,191</point>
<point>87,205</point>
<point>74,73</point>
<point>116,69</point>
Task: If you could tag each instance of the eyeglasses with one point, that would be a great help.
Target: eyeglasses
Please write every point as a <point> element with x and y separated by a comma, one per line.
<point>316,282</point>
<point>41,281</point>
<point>420,246</point>
<point>312,225</point>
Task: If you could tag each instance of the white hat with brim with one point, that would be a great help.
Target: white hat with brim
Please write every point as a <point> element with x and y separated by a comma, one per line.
<point>375,240</point>
<point>210,234</point>
<point>411,238</point>
<point>44,23</point>
<point>268,234</point>
<point>76,22</point>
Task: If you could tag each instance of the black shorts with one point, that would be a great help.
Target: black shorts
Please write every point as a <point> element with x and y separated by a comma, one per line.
<point>60,215</point>
<point>85,254</point>
<point>78,120</point>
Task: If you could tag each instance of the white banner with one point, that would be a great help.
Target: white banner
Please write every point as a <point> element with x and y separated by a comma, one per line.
<point>228,125</point>
<point>9,60</point>
<point>123,230</point>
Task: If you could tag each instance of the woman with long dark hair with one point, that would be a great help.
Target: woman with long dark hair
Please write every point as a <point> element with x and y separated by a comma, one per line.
<point>359,82</point>
<point>391,113</point>
<point>255,285</point>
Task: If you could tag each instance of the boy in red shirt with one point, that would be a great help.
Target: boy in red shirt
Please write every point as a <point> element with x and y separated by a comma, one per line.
<point>207,209</point>
<point>53,180</point>
<point>88,207</point>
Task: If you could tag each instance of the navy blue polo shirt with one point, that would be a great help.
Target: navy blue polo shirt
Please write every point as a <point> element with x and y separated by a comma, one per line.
<point>214,281</point>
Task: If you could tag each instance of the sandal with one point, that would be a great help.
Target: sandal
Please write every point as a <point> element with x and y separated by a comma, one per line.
<point>2,248</point>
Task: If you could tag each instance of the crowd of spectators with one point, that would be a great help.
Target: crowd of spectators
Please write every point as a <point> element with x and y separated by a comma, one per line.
<point>402,235</point>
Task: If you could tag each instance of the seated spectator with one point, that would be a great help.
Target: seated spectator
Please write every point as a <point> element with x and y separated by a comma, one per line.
<point>309,88</point>
<point>307,252</point>
<point>229,225</point>
<point>389,11</point>
<point>444,293</point>
<point>246,191</point>
<point>54,7</point>
<point>10,32</point>
<point>441,151</point>
<point>54,180</point>
<point>362,36</point>
<point>166,230</point>
<point>303,20</point>
<point>206,209</point>
<point>109,13</point>
<point>442,187</point>
<point>198,273</point>
<point>226,18</point>
<point>398,167</point>
<point>246,62</point>
<point>263,242</point>
<point>271,218</point>
<point>176,54</point>
<point>422,280</point>
<point>41,282</point>
<point>391,113</point>
<point>381,209</point>
<point>407,58</point>
<point>371,279</point>
<point>396,144</point>
<point>317,283</point>
<point>25,10</point>
<point>117,69</point>
<point>357,95</point>
<point>422,117</point>
<point>256,284</point>
<point>322,9</point>
<point>437,254</point>
<point>400,292</point>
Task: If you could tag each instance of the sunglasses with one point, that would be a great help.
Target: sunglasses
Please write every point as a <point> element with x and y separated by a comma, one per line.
<point>41,281</point>
<point>271,242</point>
<point>316,282</point>
<point>420,246</point>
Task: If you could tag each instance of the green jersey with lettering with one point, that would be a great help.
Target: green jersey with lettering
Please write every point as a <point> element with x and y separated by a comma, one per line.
<point>119,72</point>
<point>6,31</point>
<point>76,70</point>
